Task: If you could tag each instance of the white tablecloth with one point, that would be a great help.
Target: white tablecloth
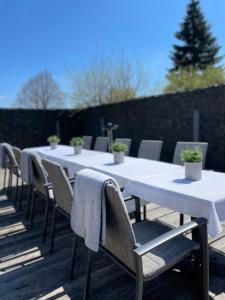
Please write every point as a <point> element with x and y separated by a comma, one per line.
<point>131,169</point>
<point>154,181</point>
<point>204,198</point>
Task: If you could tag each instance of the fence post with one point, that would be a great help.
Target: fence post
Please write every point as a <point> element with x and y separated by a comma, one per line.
<point>102,126</point>
<point>57,125</point>
<point>196,125</point>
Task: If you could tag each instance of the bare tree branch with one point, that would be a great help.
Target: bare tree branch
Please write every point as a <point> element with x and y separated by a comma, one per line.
<point>40,92</point>
<point>107,81</point>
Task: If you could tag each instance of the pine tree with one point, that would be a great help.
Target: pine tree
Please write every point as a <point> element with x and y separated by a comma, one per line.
<point>199,47</point>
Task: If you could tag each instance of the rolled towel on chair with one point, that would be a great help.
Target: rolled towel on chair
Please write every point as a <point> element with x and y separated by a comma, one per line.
<point>88,215</point>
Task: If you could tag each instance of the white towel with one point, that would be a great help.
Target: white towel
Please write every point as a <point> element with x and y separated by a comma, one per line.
<point>88,215</point>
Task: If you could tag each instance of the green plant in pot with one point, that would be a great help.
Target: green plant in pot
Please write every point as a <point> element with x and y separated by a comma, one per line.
<point>77,144</point>
<point>192,159</point>
<point>53,140</point>
<point>119,151</point>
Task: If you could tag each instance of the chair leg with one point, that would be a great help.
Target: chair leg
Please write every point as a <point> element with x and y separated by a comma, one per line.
<point>139,287</point>
<point>45,219</point>
<point>88,277</point>
<point>32,209</point>
<point>73,258</point>
<point>16,189</point>
<point>28,201</point>
<point>4,182</point>
<point>137,209</point>
<point>203,264</point>
<point>9,179</point>
<point>145,212</point>
<point>181,219</point>
<point>53,230</point>
<point>21,196</point>
<point>10,183</point>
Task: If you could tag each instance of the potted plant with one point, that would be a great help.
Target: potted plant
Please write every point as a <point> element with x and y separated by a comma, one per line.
<point>192,159</point>
<point>77,144</point>
<point>53,140</point>
<point>119,151</point>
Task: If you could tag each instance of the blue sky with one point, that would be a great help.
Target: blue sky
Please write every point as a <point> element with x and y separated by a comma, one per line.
<point>54,34</point>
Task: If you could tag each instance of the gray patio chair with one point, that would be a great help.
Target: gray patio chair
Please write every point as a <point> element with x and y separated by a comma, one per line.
<point>88,141</point>
<point>13,168</point>
<point>125,141</point>
<point>17,153</point>
<point>180,146</point>
<point>63,197</point>
<point>150,149</point>
<point>5,165</point>
<point>101,144</point>
<point>149,248</point>
<point>41,188</point>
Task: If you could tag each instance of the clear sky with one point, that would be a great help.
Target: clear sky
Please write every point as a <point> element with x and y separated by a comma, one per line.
<point>54,34</point>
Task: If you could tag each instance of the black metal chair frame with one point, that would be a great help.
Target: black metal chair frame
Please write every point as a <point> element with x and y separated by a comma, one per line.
<point>56,209</point>
<point>13,171</point>
<point>47,199</point>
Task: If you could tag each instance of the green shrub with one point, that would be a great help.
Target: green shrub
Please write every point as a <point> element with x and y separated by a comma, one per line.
<point>188,79</point>
<point>53,139</point>
<point>77,141</point>
<point>119,147</point>
<point>191,155</point>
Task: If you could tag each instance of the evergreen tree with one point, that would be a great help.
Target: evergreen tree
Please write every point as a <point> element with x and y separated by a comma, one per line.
<point>199,47</point>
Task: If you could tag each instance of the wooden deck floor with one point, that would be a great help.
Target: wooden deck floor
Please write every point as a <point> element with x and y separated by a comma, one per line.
<point>27,271</point>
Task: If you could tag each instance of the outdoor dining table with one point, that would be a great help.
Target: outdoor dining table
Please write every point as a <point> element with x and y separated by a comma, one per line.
<point>153,181</point>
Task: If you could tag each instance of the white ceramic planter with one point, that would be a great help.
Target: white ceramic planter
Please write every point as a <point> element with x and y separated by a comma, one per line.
<point>54,146</point>
<point>193,171</point>
<point>77,150</point>
<point>119,157</point>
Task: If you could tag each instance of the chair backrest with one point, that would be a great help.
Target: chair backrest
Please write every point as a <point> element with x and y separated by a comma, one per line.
<point>87,142</point>
<point>62,190</point>
<point>180,146</point>
<point>17,152</point>
<point>150,149</point>
<point>101,144</point>
<point>120,239</point>
<point>39,173</point>
<point>125,141</point>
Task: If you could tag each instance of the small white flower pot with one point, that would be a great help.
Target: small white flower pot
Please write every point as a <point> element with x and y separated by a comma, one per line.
<point>119,157</point>
<point>54,146</point>
<point>193,171</point>
<point>77,150</point>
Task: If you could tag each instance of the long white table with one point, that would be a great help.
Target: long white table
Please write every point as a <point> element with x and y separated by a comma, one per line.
<point>100,161</point>
<point>158,182</point>
<point>204,198</point>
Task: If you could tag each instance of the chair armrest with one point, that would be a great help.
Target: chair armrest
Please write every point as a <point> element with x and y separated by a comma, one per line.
<point>128,198</point>
<point>168,236</point>
<point>48,185</point>
<point>71,179</point>
<point>66,171</point>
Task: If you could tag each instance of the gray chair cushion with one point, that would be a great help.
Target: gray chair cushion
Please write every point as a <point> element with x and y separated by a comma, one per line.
<point>101,144</point>
<point>63,193</point>
<point>163,257</point>
<point>150,149</point>
<point>87,142</point>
